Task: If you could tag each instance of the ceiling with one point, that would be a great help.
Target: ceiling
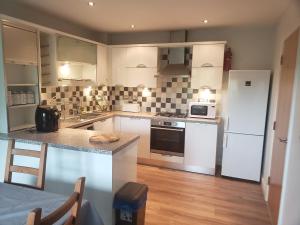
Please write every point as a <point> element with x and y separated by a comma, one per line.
<point>146,15</point>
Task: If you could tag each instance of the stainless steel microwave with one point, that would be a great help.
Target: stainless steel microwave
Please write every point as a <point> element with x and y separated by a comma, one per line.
<point>202,110</point>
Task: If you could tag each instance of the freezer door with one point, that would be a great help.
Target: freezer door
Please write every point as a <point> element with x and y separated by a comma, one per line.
<point>242,156</point>
<point>247,101</point>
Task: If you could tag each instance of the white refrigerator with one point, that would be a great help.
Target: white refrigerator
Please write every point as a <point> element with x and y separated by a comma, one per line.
<point>247,101</point>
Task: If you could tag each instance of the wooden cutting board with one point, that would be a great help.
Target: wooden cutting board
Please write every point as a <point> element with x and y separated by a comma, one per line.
<point>104,138</point>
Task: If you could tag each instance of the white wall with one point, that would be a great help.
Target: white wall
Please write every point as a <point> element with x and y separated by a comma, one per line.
<point>290,201</point>
<point>288,23</point>
<point>252,47</point>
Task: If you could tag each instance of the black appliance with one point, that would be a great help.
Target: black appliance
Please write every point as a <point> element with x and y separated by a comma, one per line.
<point>46,119</point>
<point>167,136</point>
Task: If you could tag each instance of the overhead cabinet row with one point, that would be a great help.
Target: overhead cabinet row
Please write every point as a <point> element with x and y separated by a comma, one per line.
<point>65,60</point>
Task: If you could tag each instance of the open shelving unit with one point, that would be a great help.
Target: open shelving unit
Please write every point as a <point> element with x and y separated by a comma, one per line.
<point>22,75</point>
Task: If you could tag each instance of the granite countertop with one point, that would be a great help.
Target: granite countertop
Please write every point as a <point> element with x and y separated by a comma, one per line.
<point>76,124</point>
<point>72,139</point>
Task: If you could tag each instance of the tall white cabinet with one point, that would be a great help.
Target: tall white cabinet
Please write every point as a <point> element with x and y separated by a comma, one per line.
<point>200,147</point>
<point>21,75</point>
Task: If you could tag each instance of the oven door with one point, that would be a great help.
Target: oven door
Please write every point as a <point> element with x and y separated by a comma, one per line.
<point>167,140</point>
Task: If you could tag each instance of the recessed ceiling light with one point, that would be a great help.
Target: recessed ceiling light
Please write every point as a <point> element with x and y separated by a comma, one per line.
<point>91,3</point>
<point>132,26</point>
<point>205,21</point>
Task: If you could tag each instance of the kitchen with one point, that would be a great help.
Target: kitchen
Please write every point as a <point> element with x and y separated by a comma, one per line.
<point>192,105</point>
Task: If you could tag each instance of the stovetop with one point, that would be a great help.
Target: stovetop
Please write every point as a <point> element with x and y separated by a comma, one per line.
<point>172,115</point>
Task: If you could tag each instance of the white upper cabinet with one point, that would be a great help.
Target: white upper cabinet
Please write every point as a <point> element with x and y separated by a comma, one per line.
<point>134,66</point>
<point>141,76</point>
<point>20,45</point>
<point>142,57</point>
<point>208,55</point>
<point>210,77</point>
<point>103,74</point>
<point>74,50</point>
<point>118,64</point>
<point>207,66</point>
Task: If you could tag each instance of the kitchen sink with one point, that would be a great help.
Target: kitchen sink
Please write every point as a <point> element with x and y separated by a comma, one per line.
<point>86,116</point>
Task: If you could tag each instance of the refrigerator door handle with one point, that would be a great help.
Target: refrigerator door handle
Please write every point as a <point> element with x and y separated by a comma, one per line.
<point>227,125</point>
<point>225,141</point>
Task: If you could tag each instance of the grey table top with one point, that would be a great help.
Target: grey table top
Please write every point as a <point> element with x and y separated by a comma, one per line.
<point>73,139</point>
<point>16,202</point>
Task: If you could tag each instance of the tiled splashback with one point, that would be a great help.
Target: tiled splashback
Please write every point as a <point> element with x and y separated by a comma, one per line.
<point>72,97</point>
<point>172,94</point>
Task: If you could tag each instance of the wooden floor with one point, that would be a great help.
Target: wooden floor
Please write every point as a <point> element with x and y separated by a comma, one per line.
<point>180,198</point>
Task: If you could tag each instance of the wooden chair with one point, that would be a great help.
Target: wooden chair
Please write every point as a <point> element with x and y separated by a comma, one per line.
<point>73,204</point>
<point>11,168</point>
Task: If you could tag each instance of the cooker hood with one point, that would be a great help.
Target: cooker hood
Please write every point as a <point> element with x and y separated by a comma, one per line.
<point>175,61</point>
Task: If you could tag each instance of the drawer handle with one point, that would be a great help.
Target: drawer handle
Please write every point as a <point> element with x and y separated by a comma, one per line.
<point>207,65</point>
<point>141,66</point>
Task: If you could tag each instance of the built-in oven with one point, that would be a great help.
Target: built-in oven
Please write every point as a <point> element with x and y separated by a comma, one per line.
<point>167,137</point>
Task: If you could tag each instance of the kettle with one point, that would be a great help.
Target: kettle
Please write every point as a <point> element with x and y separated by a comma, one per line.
<point>46,118</point>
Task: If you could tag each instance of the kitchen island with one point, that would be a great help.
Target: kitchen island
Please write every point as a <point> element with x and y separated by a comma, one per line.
<point>107,167</point>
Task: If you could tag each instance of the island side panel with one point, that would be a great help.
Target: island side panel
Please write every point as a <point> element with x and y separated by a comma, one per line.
<point>65,166</point>
<point>124,168</point>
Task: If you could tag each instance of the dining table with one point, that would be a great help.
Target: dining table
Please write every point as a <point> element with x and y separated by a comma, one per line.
<point>16,202</point>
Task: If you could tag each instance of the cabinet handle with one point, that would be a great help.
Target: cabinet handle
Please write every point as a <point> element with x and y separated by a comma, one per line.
<point>141,66</point>
<point>207,65</point>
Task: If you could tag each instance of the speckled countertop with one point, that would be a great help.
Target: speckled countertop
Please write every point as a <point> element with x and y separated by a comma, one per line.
<point>76,124</point>
<point>73,139</point>
<point>78,139</point>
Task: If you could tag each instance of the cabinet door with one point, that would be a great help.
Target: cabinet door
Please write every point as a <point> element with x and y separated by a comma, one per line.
<point>103,76</point>
<point>207,76</point>
<point>141,76</point>
<point>139,127</point>
<point>142,57</point>
<point>74,50</point>
<point>208,55</point>
<point>118,61</point>
<point>104,126</point>
<point>200,145</point>
<point>20,46</point>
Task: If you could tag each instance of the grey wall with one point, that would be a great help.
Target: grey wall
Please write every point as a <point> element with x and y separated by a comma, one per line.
<point>252,46</point>
<point>15,9</point>
<point>139,37</point>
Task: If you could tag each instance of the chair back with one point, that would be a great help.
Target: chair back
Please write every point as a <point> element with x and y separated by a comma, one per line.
<point>38,172</point>
<point>73,204</point>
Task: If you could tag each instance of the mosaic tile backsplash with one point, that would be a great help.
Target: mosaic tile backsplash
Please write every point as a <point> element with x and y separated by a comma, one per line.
<point>172,94</point>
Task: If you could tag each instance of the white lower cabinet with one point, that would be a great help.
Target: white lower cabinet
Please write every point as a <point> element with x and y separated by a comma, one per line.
<point>105,126</point>
<point>139,127</point>
<point>200,147</point>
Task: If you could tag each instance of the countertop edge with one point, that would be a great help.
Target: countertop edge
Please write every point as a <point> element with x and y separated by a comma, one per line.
<point>3,137</point>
